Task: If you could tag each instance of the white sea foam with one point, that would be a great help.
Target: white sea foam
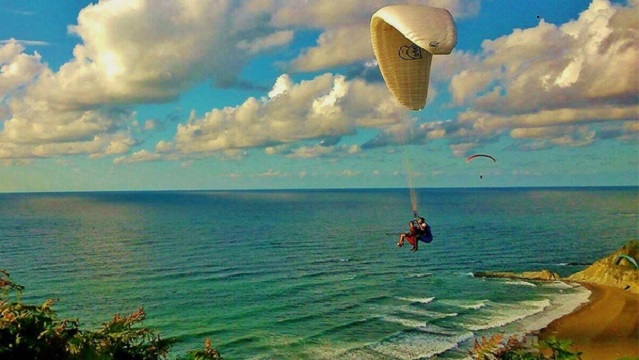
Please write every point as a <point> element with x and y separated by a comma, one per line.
<point>421,325</point>
<point>627,214</point>
<point>521,283</point>
<point>417,346</point>
<point>427,313</point>
<point>466,304</point>
<point>435,329</point>
<point>420,275</point>
<point>403,346</point>
<point>498,315</point>
<point>528,316</point>
<point>411,323</point>
<point>560,305</point>
<point>417,300</point>
<point>558,285</point>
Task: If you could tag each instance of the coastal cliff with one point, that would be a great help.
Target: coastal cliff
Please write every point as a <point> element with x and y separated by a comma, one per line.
<point>617,270</point>
<point>614,270</point>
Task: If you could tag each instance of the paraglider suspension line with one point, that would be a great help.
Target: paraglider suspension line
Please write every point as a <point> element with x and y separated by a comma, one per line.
<point>409,181</point>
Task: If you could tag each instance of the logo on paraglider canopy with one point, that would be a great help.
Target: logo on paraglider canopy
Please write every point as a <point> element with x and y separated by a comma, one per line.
<point>434,43</point>
<point>410,52</point>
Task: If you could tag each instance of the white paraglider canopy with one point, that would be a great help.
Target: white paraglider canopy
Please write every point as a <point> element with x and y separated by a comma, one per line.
<point>404,39</point>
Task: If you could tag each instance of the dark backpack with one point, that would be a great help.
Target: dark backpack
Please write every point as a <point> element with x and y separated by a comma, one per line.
<point>426,235</point>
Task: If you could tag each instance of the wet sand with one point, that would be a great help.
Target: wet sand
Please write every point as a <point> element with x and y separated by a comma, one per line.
<point>607,327</point>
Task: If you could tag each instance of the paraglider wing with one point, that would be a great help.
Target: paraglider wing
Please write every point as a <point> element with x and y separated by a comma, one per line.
<point>404,39</point>
<point>630,259</point>
<point>468,159</point>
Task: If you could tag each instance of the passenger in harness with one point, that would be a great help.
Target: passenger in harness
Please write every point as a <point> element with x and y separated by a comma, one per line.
<point>410,236</point>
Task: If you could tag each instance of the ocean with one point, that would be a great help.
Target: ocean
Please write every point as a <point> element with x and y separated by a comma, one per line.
<point>313,274</point>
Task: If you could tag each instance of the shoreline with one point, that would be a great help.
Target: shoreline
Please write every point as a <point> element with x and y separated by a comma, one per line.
<point>605,327</point>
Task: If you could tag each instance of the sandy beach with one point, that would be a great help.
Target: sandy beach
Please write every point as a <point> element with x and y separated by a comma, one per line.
<point>607,327</point>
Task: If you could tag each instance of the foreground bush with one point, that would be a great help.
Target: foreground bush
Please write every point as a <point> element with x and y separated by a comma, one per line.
<point>35,332</point>
<point>494,348</point>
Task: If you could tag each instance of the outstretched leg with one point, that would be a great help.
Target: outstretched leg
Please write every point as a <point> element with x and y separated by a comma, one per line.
<point>411,240</point>
<point>400,243</point>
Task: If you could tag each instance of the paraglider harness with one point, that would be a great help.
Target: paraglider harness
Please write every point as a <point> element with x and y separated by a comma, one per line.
<point>424,235</point>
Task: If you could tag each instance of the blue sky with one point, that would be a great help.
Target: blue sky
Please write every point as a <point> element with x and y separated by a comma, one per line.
<point>147,95</point>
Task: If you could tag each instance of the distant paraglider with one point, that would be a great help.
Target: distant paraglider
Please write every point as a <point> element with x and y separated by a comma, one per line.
<point>628,258</point>
<point>472,157</point>
<point>404,39</point>
<point>468,159</point>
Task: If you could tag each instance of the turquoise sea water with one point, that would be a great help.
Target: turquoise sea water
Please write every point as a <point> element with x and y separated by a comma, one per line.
<point>312,274</point>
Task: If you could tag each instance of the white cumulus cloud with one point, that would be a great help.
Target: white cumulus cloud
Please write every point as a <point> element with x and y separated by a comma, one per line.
<point>326,106</point>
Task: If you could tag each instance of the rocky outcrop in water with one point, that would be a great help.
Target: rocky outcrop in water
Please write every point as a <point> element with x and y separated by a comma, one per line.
<point>616,270</point>
<point>544,275</point>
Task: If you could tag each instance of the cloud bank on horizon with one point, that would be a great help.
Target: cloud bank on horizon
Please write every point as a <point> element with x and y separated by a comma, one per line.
<point>570,84</point>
